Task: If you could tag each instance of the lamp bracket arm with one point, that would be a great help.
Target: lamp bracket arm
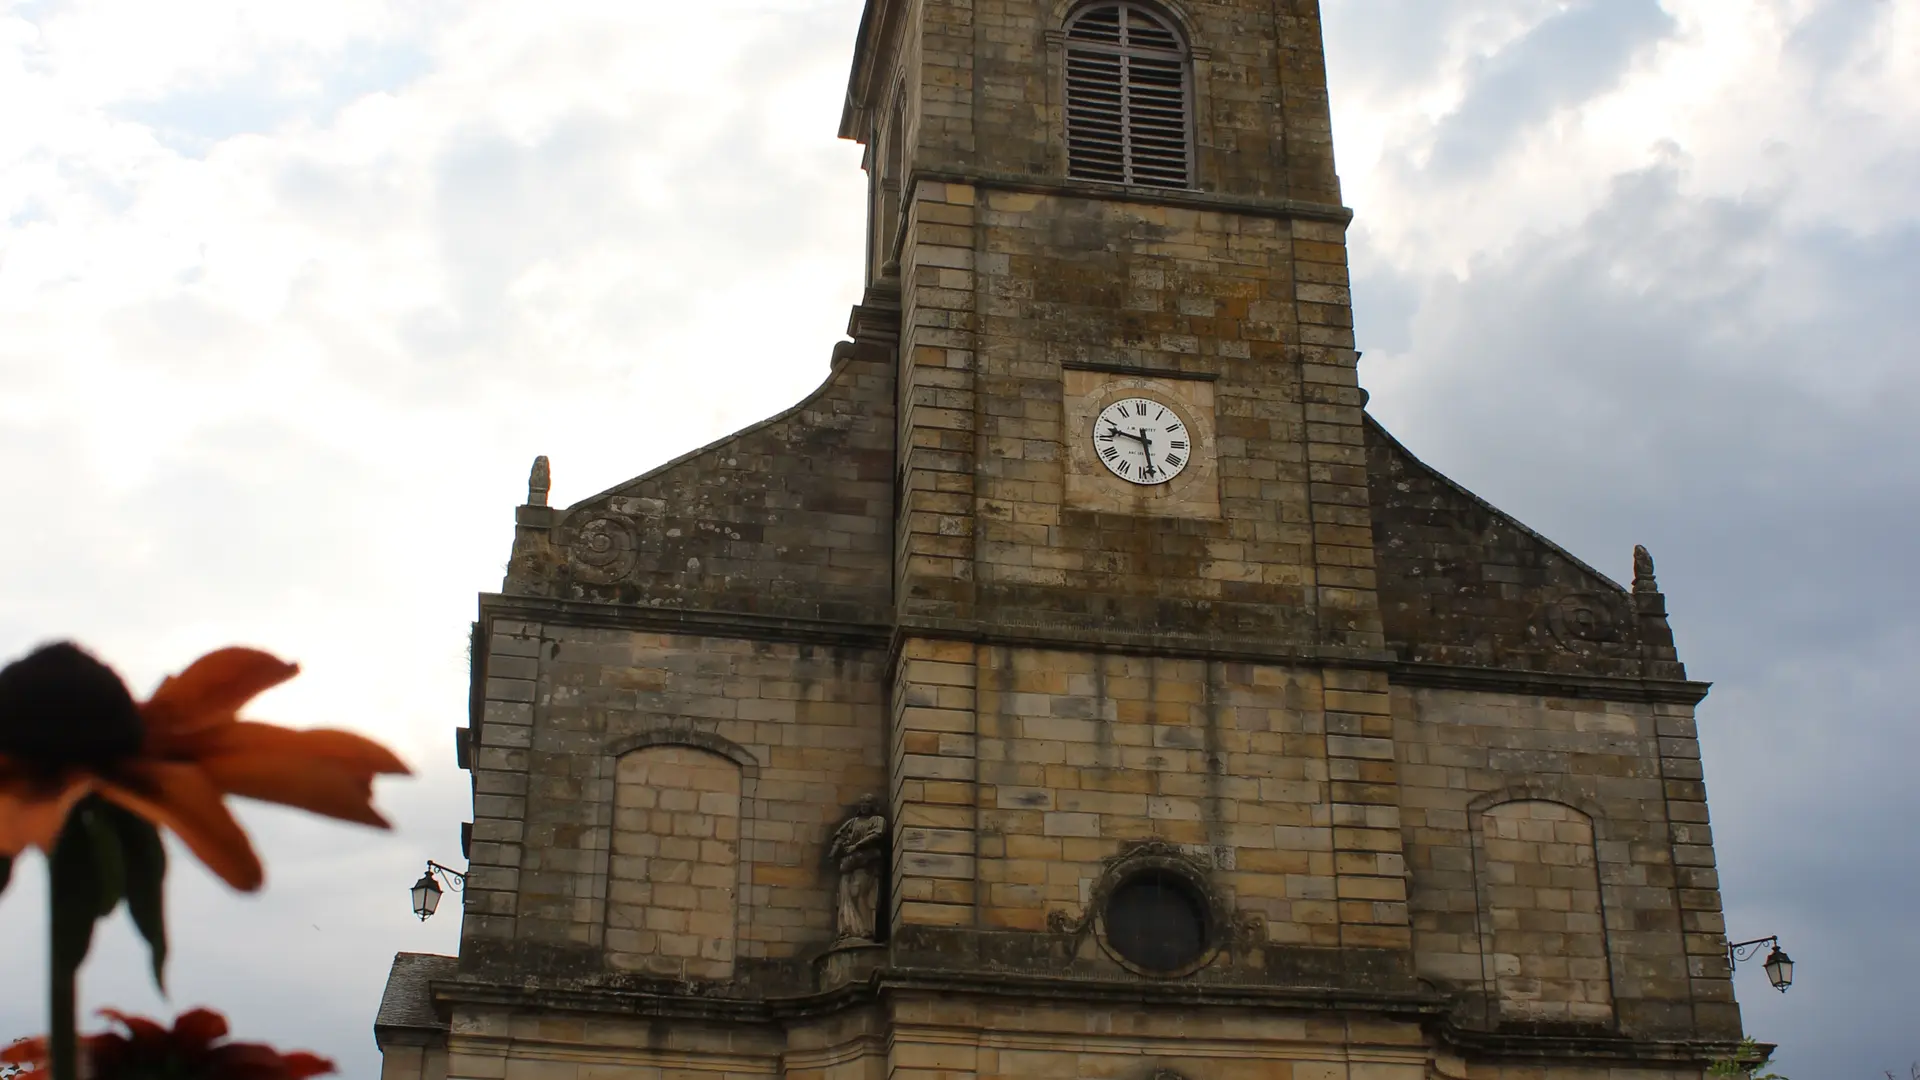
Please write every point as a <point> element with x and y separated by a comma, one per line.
<point>1746,950</point>
<point>455,880</point>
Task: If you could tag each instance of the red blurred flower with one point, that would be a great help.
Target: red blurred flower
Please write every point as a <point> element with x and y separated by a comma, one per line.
<point>148,1051</point>
<point>69,729</point>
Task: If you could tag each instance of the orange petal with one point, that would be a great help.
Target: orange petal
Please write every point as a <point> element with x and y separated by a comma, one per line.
<point>322,772</point>
<point>300,1065</point>
<point>33,809</point>
<point>197,1029</point>
<point>25,1052</point>
<point>140,1030</point>
<point>257,1061</point>
<point>340,747</point>
<point>211,691</point>
<point>182,798</point>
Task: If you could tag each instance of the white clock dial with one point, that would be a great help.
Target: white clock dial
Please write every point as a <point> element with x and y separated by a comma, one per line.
<point>1142,441</point>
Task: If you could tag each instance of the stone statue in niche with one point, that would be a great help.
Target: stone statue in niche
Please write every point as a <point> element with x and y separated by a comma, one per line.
<point>859,852</point>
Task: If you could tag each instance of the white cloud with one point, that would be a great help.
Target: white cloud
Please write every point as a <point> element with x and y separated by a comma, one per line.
<point>278,356</point>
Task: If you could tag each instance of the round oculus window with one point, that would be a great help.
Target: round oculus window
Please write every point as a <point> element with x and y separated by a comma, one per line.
<point>1157,921</point>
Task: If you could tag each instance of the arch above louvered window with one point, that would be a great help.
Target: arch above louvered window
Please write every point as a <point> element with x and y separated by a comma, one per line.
<point>1129,111</point>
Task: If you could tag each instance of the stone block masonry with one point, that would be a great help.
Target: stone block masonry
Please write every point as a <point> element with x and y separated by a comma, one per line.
<point>649,780</point>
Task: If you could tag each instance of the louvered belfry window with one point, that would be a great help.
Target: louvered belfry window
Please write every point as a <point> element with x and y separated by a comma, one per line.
<point>1127,98</point>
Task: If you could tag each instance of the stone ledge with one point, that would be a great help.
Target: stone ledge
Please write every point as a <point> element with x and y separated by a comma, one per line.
<point>1426,1009</point>
<point>872,636</point>
<point>1185,198</point>
<point>589,614</point>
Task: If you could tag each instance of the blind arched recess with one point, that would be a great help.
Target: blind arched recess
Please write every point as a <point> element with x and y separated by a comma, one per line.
<point>1128,100</point>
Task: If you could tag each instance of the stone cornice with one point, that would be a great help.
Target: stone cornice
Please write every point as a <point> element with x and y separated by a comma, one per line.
<point>1548,684</point>
<point>1184,198</point>
<point>1226,649</point>
<point>1427,1010</point>
<point>1142,370</point>
<point>726,624</point>
<point>896,981</point>
<point>1515,1049</point>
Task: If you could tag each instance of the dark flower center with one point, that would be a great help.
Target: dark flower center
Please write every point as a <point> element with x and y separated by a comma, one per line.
<point>61,707</point>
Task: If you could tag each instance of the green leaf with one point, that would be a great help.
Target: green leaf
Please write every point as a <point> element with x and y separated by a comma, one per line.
<point>109,867</point>
<point>74,872</point>
<point>146,875</point>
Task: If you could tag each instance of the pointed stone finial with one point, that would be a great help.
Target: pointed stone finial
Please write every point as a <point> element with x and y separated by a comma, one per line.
<point>1643,579</point>
<point>539,482</point>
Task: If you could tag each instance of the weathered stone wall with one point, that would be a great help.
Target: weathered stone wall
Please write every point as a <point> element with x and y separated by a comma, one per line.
<point>673,904</point>
<point>1004,290</point>
<point>502,1045</point>
<point>1543,938</point>
<point>498,1044</point>
<point>1066,1040</point>
<point>802,725</point>
<point>413,1061</point>
<point>1009,270</point>
<point>1018,775</point>
<point>990,82</point>
<point>1463,583</point>
<point>1083,755</point>
<point>1055,1039</point>
<point>791,517</point>
<point>1629,770</point>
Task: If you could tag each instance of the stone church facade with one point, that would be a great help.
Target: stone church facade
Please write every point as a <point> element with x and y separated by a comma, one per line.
<point>1208,733</point>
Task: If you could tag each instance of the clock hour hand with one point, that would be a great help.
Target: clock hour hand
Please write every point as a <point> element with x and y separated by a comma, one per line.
<point>1111,431</point>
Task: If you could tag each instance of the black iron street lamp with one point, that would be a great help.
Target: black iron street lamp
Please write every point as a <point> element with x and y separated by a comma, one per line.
<point>426,891</point>
<point>1778,966</point>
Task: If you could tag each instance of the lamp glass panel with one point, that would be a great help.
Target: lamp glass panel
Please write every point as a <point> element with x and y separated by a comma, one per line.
<point>426,896</point>
<point>1779,969</point>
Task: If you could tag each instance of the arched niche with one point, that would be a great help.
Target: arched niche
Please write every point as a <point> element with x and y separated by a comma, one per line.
<point>674,866</point>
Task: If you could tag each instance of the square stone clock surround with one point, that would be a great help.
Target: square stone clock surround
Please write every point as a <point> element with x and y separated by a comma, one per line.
<point>1195,493</point>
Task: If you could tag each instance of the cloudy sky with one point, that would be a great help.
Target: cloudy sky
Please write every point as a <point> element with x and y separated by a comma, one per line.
<point>291,294</point>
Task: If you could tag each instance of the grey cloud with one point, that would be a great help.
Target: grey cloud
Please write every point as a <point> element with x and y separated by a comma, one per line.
<point>1828,36</point>
<point>1568,57</point>
<point>1388,295</point>
<point>1405,44</point>
<point>261,99</point>
<point>503,205</point>
<point>1661,374</point>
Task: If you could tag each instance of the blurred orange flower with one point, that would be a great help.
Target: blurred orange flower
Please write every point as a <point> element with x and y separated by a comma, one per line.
<point>188,1052</point>
<point>69,728</point>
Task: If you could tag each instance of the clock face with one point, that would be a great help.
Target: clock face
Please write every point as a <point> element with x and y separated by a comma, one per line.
<point>1142,441</point>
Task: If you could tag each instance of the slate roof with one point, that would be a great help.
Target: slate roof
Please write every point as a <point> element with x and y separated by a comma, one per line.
<point>407,1002</point>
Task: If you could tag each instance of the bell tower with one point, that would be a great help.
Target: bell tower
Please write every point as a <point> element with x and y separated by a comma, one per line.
<point>1077,201</point>
<point>1130,443</point>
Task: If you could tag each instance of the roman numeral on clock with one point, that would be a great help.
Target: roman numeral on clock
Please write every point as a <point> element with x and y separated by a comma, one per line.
<point>1176,460</point>
<point>1111,453</point>
<point>1179,444</point>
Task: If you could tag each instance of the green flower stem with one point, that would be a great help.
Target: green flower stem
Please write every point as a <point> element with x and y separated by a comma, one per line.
<point>63,1029</point>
